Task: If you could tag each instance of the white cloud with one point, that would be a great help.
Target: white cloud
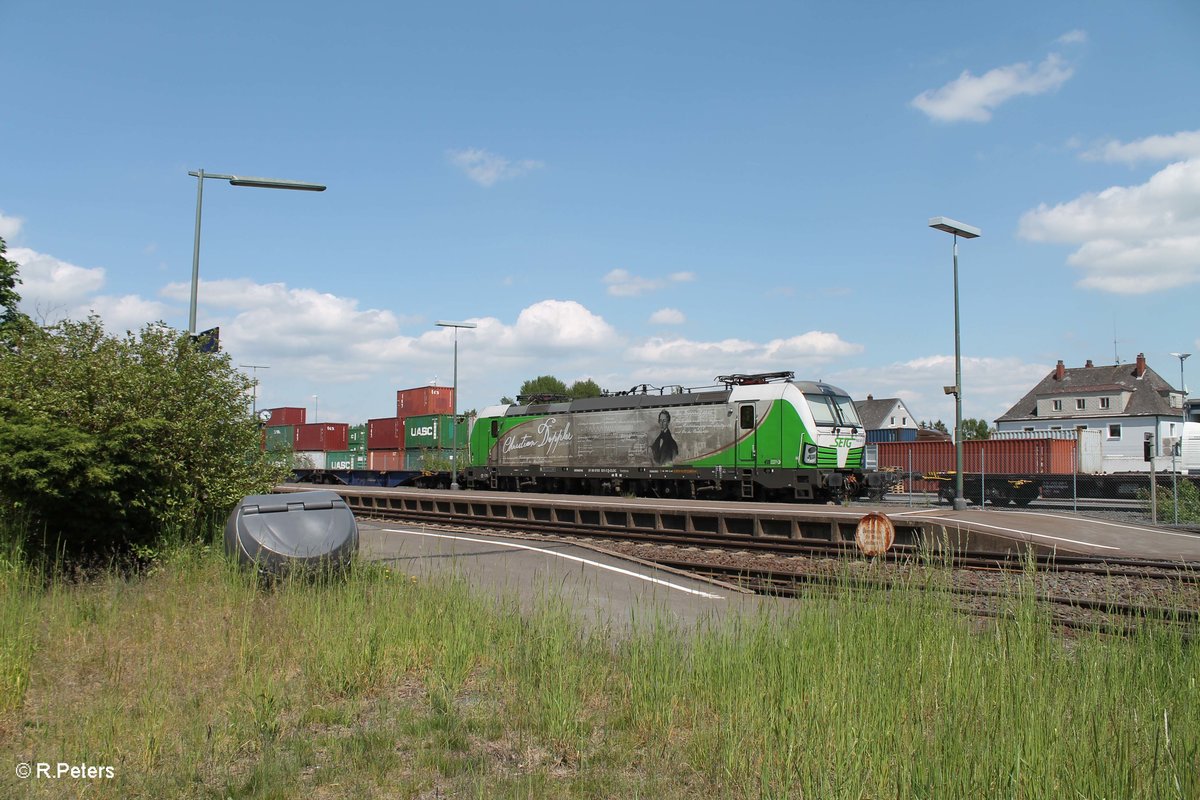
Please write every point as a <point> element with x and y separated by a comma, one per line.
<point>48,283</point>
<point>668,316</point>
<point>486,168</point>
<point>973,98</point>
<point>9,226</point>
<point>1076,36</point>
<point>686,359</point>
<point>1182,145</point>
<point>126,313</point>
<point>990,385</point>
<point>1132,239</point>
<point>622,283</point>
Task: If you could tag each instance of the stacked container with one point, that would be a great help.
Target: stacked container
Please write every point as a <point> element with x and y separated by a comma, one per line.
<point>424,400</point>
<point>287,415</point>
<point>354,456</point>
<point>278,437</point>
<point>429,441</point>
<point>313,442</point>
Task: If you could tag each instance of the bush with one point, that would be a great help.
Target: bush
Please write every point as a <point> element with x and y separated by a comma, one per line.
<point>112,441</point>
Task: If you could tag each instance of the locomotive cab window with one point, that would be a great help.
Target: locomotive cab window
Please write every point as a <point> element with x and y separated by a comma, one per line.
<point>747,420</point>
<point>830,410</point>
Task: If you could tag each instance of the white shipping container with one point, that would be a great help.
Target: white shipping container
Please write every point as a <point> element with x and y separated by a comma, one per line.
<point>309,459</point>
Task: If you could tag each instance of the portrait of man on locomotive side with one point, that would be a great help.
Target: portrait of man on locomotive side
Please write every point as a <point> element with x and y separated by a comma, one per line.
<point>664,449</point>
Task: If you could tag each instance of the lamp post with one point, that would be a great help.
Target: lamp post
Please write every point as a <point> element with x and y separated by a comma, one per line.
<point>234,180</point>
<point>956,229</point>
<point>1183,412</point>
<point>454,403</point>
<point>316,410</point>
<point>254,387</point>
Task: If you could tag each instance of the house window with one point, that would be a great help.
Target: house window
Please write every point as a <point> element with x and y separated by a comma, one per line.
<point>893,422</point>
<point>1079,404</point>
<point>1056,427</point>
<point>1028,429</point>
<point>1058,405</point>
<point>904,420</point>
<point>1114,431</point>
<point>1104,402</point>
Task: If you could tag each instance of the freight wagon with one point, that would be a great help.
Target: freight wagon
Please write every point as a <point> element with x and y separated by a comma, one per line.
<point>1016,467</point>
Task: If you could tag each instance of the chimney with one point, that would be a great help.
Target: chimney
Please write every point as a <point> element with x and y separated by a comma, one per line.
<point>1088,364</point>
<point>869,398</point>
<point>1059,371</point>
<point>1140,369</point>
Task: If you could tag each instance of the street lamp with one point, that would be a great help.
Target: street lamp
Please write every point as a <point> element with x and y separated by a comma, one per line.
<point>235,180</point>
<point>957,229</point>
<point>316,410</point>
<point>454,403</point>
<point>254,387</point>
<point>1183,411</point>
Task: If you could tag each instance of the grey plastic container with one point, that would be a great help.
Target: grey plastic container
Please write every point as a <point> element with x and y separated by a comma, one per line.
<point>279,533</point>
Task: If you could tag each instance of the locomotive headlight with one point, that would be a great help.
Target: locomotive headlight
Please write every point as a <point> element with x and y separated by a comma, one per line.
<point>810,454</point>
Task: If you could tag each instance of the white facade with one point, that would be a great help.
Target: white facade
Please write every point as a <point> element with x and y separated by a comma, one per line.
<point>1123,439</point>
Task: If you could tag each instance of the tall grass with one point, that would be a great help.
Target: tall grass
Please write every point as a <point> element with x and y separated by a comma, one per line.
<point>195,680</point>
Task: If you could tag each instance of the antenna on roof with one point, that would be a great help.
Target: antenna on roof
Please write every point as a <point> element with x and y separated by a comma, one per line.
<point>1116,355</point>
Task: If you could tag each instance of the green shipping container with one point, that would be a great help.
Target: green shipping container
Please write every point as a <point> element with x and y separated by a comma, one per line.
<point>430,460</point>
<point>346,459</point>
<point>280,437</point>
<point>433,431</point>
<point>358,437</point>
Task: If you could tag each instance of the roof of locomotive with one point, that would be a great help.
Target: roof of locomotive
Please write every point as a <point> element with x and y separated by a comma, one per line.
<point>633,401</point>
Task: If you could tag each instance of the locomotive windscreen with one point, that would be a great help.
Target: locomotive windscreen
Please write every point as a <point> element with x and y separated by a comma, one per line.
<point>830,410</point>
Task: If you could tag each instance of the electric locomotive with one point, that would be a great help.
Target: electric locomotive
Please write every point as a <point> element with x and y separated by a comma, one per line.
<point>761,436</point>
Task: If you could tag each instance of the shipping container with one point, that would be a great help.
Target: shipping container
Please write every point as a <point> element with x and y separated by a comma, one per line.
<point>345,459</point>
<point>324,436</point>
<point>279,437</point>
<point>1042,456</point>
<point>429,459</point>
<point>385,433</point>
<point>358,437</point>
<point>434,430</point>
<point>424,400</point>
<point>309,459</point>
<point>385,460</point>
<point>286,416</point>
<point>892,435</point>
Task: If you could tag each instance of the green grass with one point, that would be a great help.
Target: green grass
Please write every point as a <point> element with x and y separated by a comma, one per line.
<point>195,681</point>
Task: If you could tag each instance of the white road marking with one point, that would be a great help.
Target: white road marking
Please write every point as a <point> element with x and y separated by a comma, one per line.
<point>589,562</point>
<point>1112,524</point>
<point>975,523</point>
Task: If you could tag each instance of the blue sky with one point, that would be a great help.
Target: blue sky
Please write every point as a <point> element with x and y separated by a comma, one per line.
<point>632,192</point>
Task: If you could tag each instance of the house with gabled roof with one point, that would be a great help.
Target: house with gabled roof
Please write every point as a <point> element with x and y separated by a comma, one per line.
<point>886,420</point>
<point>1126,402</point>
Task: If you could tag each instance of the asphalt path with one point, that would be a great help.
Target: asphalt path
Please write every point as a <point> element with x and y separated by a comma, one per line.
<point>605,590</point>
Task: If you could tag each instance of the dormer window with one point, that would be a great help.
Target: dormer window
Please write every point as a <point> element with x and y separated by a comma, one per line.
<point>1058,405</point>
<point>1079,404</point>
<point>1104,403</point>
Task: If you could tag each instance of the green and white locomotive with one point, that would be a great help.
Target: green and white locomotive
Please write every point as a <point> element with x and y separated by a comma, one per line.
<point>762,436</point>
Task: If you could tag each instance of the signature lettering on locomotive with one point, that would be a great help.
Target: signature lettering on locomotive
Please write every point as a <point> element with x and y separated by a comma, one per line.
<point>549,436</point>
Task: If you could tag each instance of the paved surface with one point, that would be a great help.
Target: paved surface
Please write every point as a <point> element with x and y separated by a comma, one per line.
<point>1067,533</point>
<point>604,589</point>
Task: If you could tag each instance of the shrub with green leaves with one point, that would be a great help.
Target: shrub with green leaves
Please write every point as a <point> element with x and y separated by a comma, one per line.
<point>110,440</point>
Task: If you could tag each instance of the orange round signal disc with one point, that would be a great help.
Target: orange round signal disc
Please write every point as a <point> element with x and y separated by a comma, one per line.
<point>875,534</point>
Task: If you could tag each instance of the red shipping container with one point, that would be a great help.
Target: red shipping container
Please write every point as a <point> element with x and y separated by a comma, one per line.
<point>385,460</point>
<point>286,416</point>
<point>322,436</point>
<point>385,433</point>
<point>424,400</point>
<point>994,456</point>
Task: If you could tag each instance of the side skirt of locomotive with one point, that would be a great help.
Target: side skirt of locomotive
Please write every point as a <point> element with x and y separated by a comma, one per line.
<point>805,485</point>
